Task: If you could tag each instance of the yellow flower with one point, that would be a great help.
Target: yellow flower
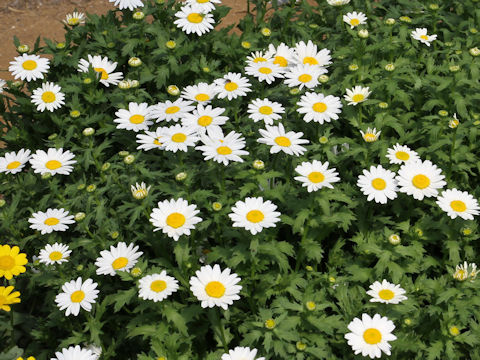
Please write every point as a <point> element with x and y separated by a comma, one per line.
<point>7,297</point>
<point>11,261</point>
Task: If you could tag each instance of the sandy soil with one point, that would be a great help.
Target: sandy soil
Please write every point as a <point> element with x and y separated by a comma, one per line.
<point>28,19</point>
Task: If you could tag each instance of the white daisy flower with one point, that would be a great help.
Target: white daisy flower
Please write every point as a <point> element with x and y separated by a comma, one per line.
<point>354,19</point>
<point>119,258</point>
<point>151,140</point>
<point>265,71</point>
<point>54,254</point>
<point>241,353</point>
<point>75,353</point>
<point>157,287</point>
<point>315,175</point>
<point>75,18</point>
<point>175,217</point>
<point>357,95</point>
<point>266,110</point>
<point>378,184</point>
<point>179,138</point>
<point>96,350</point>
<point>386,293</point>
<point>370,336</point>
<point>171,111</point>
<point>48,97</point>
<point>2,85</point>
<point>214,287</point>
<point>370,135</point>
<point>458,203</point>
<point>204,118</point>
<point>308,54</point>
<point>202,93</point>
<point>205,5</point>
<point>400,154</point>
<point>103,67</point>
<point>258,57</point>
<point>254,214</point>
<point>319,108</point>
<point>12,162</point>
<point>29,67</point>
<point>52,220</point>
<point>303,75</point>
<point>137,117</point>
<point>232,86</point>
<point>76,294</point>
<point>140,191</point>
<point>465,271</point>
<point>279,140</point>
<point>282,55</point>
<point>222,149</point>
<point>127,4</point>
<point>194,19</point>
<point>420,179</point>
<point>54,161</point>
<point>421,35</point>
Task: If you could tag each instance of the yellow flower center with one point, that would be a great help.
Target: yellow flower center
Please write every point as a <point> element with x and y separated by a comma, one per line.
<point>372,336</point>
<point>316,177</point>
<point>7,262</point>
<point>29,65</point>
<point>259,59</point>
<point>215,289</point>
<point>157,141</point>
<point>204,120</point>
<point>137,119</point>
<point>402,155</point>
<point>103,71</point>
<point>202,1</point>
<point>73,21</point>
<point>179,137</point>
<point>310,60</point>
<point>265,70</point>
<point>281,61</point>
<point>172,110</point>
<point>319,107</point>
<point>53,164</point>
<point>458,206</point>
<point>231,86</point>
<point>386,294</point>
<point>55,255</point>
<point>119,263</point>
<point>158,286</point>
<point>305,78</point>
<point>283,141</point>
<point>77,296</point>
<point>420,181</point>
<point>51,221</point>
<point>195,18</point>
<point>265,110</point>
<point>358,97</point>
<point>48,97</point>
<point>175,220</point>
<point>354,22</point>
<point>224,150</point>
<point>255,216</point>
<point>14,165</point>
<point>379,184</point>
<point>202,97</point>
<point>424,37</point>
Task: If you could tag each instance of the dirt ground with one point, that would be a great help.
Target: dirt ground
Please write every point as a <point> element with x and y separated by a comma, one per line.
<point>28,19</point>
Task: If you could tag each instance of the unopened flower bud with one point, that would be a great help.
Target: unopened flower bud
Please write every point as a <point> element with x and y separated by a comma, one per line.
<point>124,84</point>
<point>129,159</point>
<point>173,90</point>
<point>353,67</point>
<point>323,78</point>
<point>134,62</point>
<point>454,68</point>
<point>454,331</point>
<point>443,113</point>
<point>270,324</point>
<point>294,91</point>
<point>52,136</point>
<point>246,45</point>
<point>301,346</point>
<point>394,239</point>
<point>390,21</point>
<point>88,131</point>
<point>114,235</point>
<point>123,153</point>
<point>363,33</point>
<point>46,175</point>
<point>60,45</point>
<point>266,31</point>
<point>23,48</point>
<point>2,202</point>
<point>106,166</point>
<point>79,216</point>
<point>181,176</point>
<point>216,206</point>
<point>91,188</point>
<point>75,114</point>
<point>258,165</point>
<point>383,105</point>
<point>87,81</point>
<point>390,67</point>
<point>136,272</point>
<point>310,305</point>
<point>138,15</point>
<point>171,44</point>
<point>474,51</point>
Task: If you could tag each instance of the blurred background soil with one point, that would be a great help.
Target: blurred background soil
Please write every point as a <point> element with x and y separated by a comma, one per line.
<point>28,19</point>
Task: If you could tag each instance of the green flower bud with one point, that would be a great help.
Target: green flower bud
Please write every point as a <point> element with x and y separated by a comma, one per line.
<point>171,44</point>
<point>310,305</point>
<point>114,235</point>
<point>134,62</point>
<point>390,21</point>
<point>443,113</point>
<point>323,140</point>
<point>87,81</point>
<point>123,153</point>
<point>323,78</point>
<point>266,31</point>
<point>61,45</point>
<point>91,188</point>
<point>129,159</point>
<point>181,176</point>
<point>74,114</point>
<point>125,84</point>
<point>23,48</point>
<point>80,267</point>
<point>390,67</point>
<point>383,105</point>
<point>136,272</point>
<point>394,239</point>
<point>46,175</point>
<point>454,331</point>
<point>433,6</point>
<point>173,90</point>
<point>454,68</point>
<point>2,202</point>
<point>79,216</point>
<point>301,346</point>
<point>88,131</point>
<point>138,15</point>
<point>353,67</point>
<point>363,33</point>
<point>216,206</point>
<point>81,187</point>
<point>258,165</point>
<point>246,45</point>
<point>106,166</point>
<point>270,324</point>
<point>474,51</point>
<point>294,91</point>
<point>52,136</point>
